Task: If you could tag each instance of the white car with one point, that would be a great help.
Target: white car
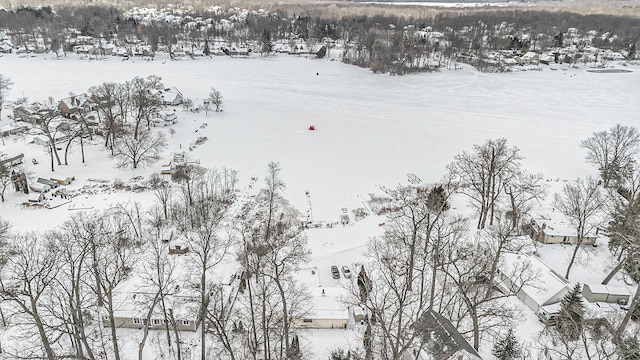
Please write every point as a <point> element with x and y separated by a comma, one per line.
<point>346,271</point>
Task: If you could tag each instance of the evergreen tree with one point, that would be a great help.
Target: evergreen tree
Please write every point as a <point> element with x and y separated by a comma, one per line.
<point>294,350</point>
<point>628,348</point>
<point>364,284</point>
<point>507,347</point>
<point>571,315</point>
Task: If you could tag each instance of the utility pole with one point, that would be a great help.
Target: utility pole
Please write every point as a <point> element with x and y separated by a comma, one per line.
<point>309,213</point>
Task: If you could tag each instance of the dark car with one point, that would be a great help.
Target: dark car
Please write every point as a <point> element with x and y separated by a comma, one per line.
<point>335,272</point>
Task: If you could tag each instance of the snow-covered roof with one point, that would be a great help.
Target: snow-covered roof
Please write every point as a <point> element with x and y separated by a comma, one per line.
<point>541,282</point>
<point>607,289</point>
<point>556,224</point>
<point>327,305</point>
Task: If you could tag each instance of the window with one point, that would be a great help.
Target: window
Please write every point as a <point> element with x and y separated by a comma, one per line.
<point>137,321</point>
<point>307,320</point>
<point>185,322</point>
<point>156,322</point>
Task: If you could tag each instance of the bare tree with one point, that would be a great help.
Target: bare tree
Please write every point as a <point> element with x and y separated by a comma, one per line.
<point>141,151</point>
<point>613,151</point>
<point>145,100</point>
<point>158,275</point>
<point>582,203</point>
<point>26,280</point>
<point>163,192</point>
<point>404,266</point>
<point>200,220</point>
<point>523,191</point>
<point>187,175</point>
<point>111,258</point>
<point>70,290</point>
<point>6,178</point>
<point>47,128</point>
<point>273,249</point>
<point>215,98</point>
<point>113,104</point>
<point>5,86</point>
<point>484,173</point>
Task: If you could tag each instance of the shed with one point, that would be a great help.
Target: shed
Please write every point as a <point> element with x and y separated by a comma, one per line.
<point>52,184</point>
<point>605,293</point>
<point>36,197</point>
<point>62,180</point>
<point>39,187</point>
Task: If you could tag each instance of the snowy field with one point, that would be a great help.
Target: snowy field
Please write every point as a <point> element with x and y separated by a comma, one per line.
<point>371,131</point>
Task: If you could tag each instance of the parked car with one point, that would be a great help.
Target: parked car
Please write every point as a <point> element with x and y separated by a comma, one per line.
<point>346,271</point>
<point>335,272</point>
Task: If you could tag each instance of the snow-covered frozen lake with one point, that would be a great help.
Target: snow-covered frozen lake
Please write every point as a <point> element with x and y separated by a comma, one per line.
<point>371,130</point>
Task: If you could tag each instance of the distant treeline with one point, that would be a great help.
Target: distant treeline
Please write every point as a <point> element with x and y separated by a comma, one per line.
<point>382,42</point>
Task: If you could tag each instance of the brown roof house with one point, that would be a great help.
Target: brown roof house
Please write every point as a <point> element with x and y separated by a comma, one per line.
<point>75,104</point>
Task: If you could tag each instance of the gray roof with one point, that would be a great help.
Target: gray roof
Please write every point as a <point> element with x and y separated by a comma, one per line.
<point>442,335</point>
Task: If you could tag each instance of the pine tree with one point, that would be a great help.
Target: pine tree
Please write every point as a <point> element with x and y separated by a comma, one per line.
<point>571,315</point>
<point>294,350</point>
<point>507,348</point>
<point>364,284</point>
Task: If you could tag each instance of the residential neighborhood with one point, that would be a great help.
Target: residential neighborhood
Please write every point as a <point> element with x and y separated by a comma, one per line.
<point>229,182</point>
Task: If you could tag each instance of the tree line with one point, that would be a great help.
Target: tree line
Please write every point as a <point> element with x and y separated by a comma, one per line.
<point>384,43</point>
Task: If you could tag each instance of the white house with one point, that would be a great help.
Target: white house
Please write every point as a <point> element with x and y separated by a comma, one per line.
<point>327,311</point>
<point>554,228</point>
<point>606,293</point>
<point>535,283</point>
<point>172,96</point>
<point>131,305</point>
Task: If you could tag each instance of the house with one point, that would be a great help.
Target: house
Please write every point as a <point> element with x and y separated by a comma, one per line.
<point>171,96</point>
<point>442,339</point>
<point>326,311</point>
<point>34,113</point>
<point>5,47</point>
<point>13,130</point>
<point>531,57</point>
<point>537,285</point>
<point>606,293</point>
<point>9,160</point>
<point>75,104</point>
<point>554,228</point>
<point>131,305</point>
<point>166,169</point>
